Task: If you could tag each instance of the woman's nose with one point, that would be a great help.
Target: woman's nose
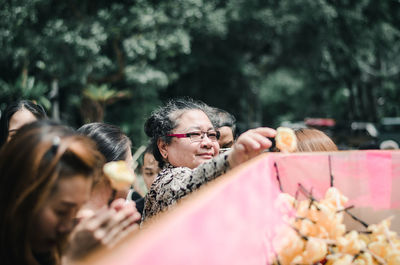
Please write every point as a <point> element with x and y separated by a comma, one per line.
<point>66,226</point>
<point>206,142</point>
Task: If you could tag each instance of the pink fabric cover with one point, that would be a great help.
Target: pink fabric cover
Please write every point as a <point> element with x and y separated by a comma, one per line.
<point>232,220</point>
<point>365,177</point>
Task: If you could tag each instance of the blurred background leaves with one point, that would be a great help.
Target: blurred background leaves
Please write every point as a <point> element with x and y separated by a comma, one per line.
<point>266,61</point>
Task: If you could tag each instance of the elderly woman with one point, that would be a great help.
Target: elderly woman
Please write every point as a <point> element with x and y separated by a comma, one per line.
<point>185,144</point>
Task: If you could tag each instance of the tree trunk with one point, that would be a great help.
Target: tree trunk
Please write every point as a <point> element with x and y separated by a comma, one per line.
<point>91,111</point>
<point>362,104</point>
<point>371,102</point>
<point>24,74</point>
<point>352,104</point>
<point>55,100</point>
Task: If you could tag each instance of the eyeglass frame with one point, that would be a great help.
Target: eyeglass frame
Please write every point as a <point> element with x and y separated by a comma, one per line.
<point>188,135</point>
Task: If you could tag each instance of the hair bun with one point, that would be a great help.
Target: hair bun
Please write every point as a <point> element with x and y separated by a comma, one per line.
<point>150,126</point>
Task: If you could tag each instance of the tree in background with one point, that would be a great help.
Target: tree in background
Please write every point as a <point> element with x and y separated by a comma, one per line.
<point>124,45</point>
<point>263,60</point>
<point>96,98</point>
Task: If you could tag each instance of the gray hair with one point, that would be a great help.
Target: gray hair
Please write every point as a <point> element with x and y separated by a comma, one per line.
<point>221,118</point>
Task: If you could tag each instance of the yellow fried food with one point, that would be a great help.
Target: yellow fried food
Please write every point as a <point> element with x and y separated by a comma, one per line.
<point>118,173</point>
<point>315,234</point>
<point>289,245</point>
<point>285,139</point>
<point>351,243</point>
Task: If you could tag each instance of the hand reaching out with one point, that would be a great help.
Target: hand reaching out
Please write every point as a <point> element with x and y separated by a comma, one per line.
<point>105,228</point>
<point>250,144</point>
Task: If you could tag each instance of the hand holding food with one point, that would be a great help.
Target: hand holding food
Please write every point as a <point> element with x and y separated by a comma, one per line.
<point>250,144</point>
<point>105,228</point>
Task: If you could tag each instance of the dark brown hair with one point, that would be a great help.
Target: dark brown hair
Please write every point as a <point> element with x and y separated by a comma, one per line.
<point>313,140</point>
<point>30,166</point>
<point>36,109</point>
<point>110,139</point>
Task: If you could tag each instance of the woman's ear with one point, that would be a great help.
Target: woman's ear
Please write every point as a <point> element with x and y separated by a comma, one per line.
<point>162,147</point>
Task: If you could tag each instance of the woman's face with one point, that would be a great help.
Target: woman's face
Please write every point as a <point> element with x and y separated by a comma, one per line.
<point>19,119</point>
<point>150,169</point>
<point>183,152</point>
<point>226,140</point>
<point>55,219</point>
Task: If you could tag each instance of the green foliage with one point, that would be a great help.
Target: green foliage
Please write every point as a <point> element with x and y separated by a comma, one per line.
<point>25,87</point>
<point>103,94</point>
<point>263,60</point>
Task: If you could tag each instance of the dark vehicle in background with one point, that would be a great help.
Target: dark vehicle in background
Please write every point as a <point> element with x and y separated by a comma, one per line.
<point>389,133</point>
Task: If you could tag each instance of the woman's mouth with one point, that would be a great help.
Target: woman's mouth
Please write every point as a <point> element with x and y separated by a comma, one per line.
<point>206,155</point>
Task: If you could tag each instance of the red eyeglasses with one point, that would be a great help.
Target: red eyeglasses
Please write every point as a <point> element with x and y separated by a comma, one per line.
<point>198,136</point>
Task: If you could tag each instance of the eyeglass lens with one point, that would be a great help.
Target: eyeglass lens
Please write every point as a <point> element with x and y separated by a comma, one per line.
<point>198,136</point>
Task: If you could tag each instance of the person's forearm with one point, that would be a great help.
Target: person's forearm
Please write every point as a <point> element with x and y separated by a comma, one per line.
<point>213,168</point>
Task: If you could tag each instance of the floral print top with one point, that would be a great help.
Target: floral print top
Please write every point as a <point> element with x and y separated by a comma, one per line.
<point>174,183</point>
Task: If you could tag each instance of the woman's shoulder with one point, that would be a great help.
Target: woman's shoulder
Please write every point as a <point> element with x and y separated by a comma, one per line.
<point>169,173</point>
<point>170,169</point>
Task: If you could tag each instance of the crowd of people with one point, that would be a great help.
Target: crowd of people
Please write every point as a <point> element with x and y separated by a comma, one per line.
<point>56,203</point>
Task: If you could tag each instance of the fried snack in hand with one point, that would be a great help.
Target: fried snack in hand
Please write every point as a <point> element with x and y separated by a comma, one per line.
<point>286,140</point>
<point>118,173</point>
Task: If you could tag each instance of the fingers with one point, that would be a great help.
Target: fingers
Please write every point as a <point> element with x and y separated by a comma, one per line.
<point>123,233</point>
<point>100,218</point>
<point>256,139</point>
<point>105,227</point>
<point>119,229</point>
<point>118,222</point>
<point>122,215</point>
<point>265,131</point>
<point>84,213</point>
<point>120,203</point>
<point>250,144</point>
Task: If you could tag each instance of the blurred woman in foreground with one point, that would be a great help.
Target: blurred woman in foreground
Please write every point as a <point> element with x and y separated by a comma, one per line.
<point>115,145</point>
<point>47,172</point>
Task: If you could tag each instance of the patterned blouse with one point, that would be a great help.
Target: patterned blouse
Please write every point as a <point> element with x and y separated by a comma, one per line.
<point>174,183</point>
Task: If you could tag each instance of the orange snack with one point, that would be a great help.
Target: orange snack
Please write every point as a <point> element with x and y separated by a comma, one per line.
<point>118,173</point>
<point>286,140</point>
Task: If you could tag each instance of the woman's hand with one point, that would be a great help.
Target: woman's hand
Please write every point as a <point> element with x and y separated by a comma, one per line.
<point>250,144</point>
<point>105,228</point>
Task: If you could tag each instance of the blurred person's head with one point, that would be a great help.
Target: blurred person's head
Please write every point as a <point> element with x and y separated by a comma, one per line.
<point>16,115</point>
<point>111,141</point>
<point>150,167</point>
<point>225,123</point>
<point>115,145</point>
<point>182,134</point>
<point>313,140</point>
<point>47,172</point>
